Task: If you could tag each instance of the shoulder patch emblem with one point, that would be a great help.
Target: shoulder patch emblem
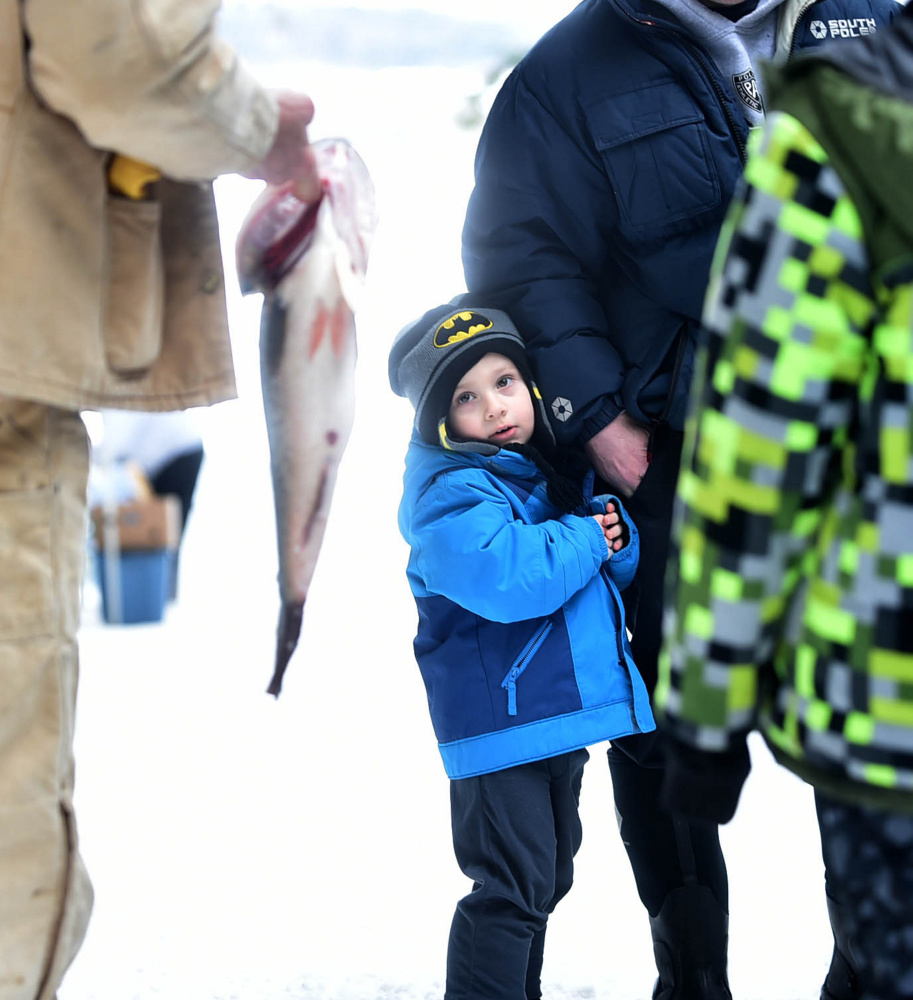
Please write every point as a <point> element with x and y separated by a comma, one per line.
<point>562,408</point>
<point>746,86</point>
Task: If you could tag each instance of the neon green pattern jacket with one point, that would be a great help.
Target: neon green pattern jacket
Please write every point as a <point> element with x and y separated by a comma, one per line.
<point>793,611</point>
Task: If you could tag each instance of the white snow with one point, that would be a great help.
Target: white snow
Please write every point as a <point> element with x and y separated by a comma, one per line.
<point>244,848</point>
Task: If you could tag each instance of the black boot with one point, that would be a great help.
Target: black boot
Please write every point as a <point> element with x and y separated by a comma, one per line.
<point>841,982</point>
<point>690,935</point>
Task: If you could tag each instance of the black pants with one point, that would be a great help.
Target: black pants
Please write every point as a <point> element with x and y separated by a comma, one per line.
<point>665,854</point>
<point>515,834</point>
<point>179,476</point>
<point>868,857</point>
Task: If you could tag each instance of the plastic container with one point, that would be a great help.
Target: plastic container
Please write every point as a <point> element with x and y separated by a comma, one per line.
<point>145,584</point>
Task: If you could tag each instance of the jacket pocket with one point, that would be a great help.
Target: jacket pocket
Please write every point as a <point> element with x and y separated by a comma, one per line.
<point>135,296</point>
<point>522,662</point>
<point>655,150</point>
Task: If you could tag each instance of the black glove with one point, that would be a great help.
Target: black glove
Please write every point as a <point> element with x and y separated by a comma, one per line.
<point>701,786</point>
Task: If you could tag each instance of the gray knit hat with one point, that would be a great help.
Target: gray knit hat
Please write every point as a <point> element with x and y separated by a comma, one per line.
<point>430,355</point>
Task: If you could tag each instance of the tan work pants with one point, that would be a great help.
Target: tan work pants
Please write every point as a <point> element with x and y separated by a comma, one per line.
<point>45,894</point>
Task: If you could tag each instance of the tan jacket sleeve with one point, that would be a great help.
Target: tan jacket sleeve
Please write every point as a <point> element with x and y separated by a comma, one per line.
<point>151,78</point>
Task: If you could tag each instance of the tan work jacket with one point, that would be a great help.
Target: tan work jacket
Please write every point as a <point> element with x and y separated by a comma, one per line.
<point>105,301</point>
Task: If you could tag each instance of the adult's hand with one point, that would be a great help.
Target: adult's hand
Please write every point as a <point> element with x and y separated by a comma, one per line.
<point>291,158</point>
<point>618,453</point>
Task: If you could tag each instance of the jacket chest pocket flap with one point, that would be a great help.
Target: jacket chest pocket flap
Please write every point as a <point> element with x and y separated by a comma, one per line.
<point>654,146</point>
<point>135,291</point>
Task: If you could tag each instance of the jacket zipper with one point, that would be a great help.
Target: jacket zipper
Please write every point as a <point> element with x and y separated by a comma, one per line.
<point>799,16</point>
<point>619,618</point>
<point>522,661</point>
<point>663,418</point>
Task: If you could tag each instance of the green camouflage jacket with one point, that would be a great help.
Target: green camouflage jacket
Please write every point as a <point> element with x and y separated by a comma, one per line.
<point>793,609</point>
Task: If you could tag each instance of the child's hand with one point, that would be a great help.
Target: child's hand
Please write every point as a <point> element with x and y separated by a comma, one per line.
<point>612,527</point>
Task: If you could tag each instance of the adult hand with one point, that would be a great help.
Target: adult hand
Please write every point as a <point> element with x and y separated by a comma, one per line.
<point>291,158</point>
<point>618,453</point>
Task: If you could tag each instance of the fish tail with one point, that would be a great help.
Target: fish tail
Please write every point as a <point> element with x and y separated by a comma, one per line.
<point>287,633</point>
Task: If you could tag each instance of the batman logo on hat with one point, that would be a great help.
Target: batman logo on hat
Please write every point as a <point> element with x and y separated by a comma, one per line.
<point>461,326</point>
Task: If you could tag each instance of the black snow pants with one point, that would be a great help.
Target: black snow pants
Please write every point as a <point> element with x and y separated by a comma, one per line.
<point>515,834</point>
<point>869,875</point>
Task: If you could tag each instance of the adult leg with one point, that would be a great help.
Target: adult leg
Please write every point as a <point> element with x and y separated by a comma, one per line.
<point>179,477</point>
<point>679,868</point>
<point>868,862</point>
<point>45,896</point>
<point>842,980</point>
<point>505,840</point>
<point>681,879</point>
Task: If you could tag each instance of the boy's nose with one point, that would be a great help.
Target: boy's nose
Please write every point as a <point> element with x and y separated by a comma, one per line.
<point>496,407</point>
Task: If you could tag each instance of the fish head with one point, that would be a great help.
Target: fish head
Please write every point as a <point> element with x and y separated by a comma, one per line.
<point>280,228</point>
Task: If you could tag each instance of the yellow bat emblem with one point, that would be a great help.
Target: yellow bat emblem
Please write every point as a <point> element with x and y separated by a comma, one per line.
<point>460,326</point>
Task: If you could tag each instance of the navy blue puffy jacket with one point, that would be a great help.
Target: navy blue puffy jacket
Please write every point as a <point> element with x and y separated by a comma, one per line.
<point>602,178</point>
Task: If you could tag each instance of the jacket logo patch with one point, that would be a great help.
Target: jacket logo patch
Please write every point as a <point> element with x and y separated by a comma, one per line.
<point>460,326</point>
<point>853,27</point>
<point>562,408</point>
<point>746,86</point>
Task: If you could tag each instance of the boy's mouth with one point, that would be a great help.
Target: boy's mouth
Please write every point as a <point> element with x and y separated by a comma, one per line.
<point>503,432</point>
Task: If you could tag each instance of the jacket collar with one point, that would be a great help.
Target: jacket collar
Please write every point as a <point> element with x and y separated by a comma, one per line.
<point>883,61</point>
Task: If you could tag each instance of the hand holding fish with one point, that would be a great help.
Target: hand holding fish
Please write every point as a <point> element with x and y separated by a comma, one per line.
<point>309,259</point>
<point>291,157</point>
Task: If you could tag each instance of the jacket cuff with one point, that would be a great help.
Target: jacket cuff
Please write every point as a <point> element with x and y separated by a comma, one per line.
<point>600,546</point>
<point>703,786</point>
<point>590,426</point>
<point>628,529</point>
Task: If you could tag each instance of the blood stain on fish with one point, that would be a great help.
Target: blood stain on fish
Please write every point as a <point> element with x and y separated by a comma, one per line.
<point>340,327</point>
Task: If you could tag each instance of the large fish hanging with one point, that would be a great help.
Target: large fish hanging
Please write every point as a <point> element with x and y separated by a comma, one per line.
<point>309,260</point>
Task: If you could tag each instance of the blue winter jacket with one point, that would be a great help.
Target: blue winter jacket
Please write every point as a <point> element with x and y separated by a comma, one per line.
<point>521,638</point>
<point>602,177</point>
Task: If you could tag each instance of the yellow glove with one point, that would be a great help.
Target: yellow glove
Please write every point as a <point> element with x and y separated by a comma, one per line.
<point>129,177</point>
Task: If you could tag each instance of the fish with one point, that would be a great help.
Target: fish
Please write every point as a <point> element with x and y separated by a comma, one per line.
<point>309,259</point>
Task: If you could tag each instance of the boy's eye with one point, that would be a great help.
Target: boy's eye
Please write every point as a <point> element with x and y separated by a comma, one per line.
<point>504,381</point>
<point>464,397</point>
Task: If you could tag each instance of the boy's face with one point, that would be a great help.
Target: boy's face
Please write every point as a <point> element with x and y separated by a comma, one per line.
<point>492,403</point>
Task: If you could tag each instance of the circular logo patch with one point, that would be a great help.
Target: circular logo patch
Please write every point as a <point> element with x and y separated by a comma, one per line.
<point>562,408</point>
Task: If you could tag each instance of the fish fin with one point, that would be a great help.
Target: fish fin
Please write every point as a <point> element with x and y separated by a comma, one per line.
<point>341,327</point>
<point>287,633</point>
<point>319,328</point>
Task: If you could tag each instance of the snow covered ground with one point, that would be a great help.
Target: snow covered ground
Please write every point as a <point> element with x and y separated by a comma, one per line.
<point>250,849</point>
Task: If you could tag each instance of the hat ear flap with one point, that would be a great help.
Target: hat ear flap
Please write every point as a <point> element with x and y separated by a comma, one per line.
<point>455,444</point>
<point>543,424</point>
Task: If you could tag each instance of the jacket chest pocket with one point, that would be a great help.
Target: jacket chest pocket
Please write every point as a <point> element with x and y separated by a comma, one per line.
<point>522,662</point>
<point>655,150</point>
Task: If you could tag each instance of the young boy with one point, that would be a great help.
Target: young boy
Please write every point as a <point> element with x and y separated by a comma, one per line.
<point>521,635</point>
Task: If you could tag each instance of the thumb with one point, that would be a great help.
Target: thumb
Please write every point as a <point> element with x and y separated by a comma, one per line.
<point>295,107</point>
